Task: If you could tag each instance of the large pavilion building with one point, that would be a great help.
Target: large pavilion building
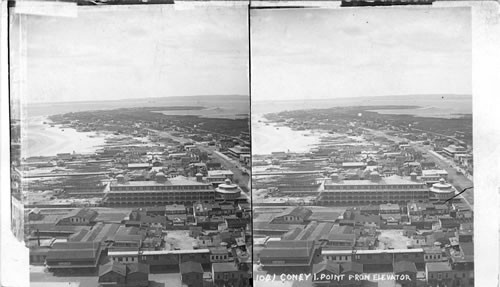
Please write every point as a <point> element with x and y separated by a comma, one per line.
<point>375,190</point>
<point>161,191</point>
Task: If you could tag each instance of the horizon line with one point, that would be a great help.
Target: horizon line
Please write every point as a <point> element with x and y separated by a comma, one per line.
<point>128,99</point>
<point>359,97</point>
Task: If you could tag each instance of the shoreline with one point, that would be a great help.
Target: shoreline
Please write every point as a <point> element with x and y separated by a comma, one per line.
<point>45,140</point>
<point>269,137</point>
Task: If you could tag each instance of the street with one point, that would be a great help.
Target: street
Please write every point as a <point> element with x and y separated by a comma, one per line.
<point>226,162</point>
<point>459,181</point>
<point>232,165</point>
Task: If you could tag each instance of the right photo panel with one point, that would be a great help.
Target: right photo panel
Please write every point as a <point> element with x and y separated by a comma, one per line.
<point>362,163</point>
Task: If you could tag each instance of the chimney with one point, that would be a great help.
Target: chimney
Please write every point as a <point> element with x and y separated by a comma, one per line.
<point>199,177</point>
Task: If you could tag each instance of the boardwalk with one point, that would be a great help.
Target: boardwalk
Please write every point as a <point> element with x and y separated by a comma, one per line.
<point>36,175</point>
<point>263,173</point>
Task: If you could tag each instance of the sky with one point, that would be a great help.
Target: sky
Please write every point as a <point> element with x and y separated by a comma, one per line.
<point>114,53</point>
<point>333,53</point>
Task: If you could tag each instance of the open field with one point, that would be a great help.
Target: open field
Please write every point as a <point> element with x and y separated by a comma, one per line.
<point>392,238</point>
<point>179,239</point>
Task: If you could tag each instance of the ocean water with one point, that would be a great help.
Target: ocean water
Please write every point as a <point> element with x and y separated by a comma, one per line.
<point>40,139</point>
<point>267,139</point>
<point>428,105</point>
<point>238,104</point>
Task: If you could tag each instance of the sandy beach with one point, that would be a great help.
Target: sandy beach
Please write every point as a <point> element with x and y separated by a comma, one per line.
<point>275,138</point>
<point>43,140</point>
<point>428,112</point>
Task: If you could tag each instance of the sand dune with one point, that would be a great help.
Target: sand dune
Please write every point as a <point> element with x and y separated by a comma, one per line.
<point>267,139</point>
<point>44,140</point>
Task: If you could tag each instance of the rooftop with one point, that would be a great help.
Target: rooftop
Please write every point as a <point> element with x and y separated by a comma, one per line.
<point>433,172</point>
<point>224,267</point>
<point>113,266</point>
<point>442,184</point>
<point>157,252</point>
<point>285,253</point>
<point>438,266</point>
<point>327,265</point>
<point>83,213</point>
<point>353,164</point>
<point>339,237</point>
<point>315,231</point>
<point>404,266</point>
<point>298,211</point>
<point>212,173</point>
<point>190,267</point>
<point>139,165</point>
<point>218,250</point>
<point>389,206</point>
<point>74,251</point>
<point>173,207</point>
<point>391,180</point>
<point>374,251</point>
<point>414,206</point>
<point>138,268</point>
<point>176,181</point>
<point>352,266</point>
<point>466,253</point>
<point>290,244</point>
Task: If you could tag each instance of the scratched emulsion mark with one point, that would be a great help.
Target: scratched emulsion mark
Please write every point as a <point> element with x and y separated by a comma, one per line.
<point>464,190</point>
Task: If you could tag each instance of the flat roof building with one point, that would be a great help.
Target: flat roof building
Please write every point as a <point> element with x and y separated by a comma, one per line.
<point>161,191</point>
<point>431,176</point>
<point>219,175</point>
<point>140,165</point>
<point>453,149</point>
<point>353,165</point>
<point>443,274</point>
<point>227,274</point>
<point>238,151</point>
<point>376,190</point>
<point>191,273</point>
<point>277,256</point>
<point>376,259</point>
<point>74,255</point>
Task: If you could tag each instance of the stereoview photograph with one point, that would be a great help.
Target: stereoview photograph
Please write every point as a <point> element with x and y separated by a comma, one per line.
<point>131,146</point>
<point>362,147</point>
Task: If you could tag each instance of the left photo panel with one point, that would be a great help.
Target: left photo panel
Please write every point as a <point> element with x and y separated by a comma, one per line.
<point>130,144</point>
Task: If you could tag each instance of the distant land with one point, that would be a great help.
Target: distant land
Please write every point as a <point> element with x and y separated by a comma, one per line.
<point>429,105</point>
<point>237,104</point>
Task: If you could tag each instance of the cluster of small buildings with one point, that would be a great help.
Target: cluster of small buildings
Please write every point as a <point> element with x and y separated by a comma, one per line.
<point>352,242</point>
<point>237,148</point>
<point>357,173</point>
<point>121,251</point>
<point>391,209</point>
<point>168,208</point>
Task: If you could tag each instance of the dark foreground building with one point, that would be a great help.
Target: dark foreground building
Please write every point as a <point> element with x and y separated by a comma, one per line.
<point>74,257</point>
